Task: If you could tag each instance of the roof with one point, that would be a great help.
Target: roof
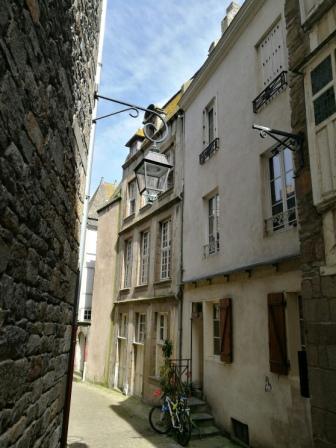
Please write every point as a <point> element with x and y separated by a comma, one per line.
<point>171,107</point>
<point>139,134</point>
<point>100,197</point>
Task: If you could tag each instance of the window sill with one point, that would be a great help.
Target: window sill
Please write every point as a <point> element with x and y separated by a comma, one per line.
<point>141,287</point>
<point>165,282</point>
<point>122,337</point>
<point>128,218</point>
<point>138,343</point>
<point>124,290</point>
<point>165,193</point>
<point>145,207</point>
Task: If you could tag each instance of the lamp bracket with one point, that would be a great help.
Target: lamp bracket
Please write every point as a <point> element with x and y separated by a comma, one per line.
<point>150,129</point>
<point>289,140</point>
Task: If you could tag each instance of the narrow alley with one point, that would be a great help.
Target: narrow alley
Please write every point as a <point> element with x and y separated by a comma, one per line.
<point>103,418</point>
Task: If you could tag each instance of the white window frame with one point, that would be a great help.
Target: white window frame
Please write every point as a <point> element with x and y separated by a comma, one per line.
<point>128,260</point>
<point>160,340</point>
<point>271,50</point>
<point>207,138</point>
<point>144,257</point>
<point>324,185</point>
<point>131,194</point>
<point>140,328</point>
<point>215,337</point>
<point>165,249</point>
<point>123,325</point>
<point>212,246</point>
<point>287,217</point>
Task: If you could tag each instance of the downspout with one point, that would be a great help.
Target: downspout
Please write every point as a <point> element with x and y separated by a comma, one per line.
<point>67,401</point>
<point>181,117</point>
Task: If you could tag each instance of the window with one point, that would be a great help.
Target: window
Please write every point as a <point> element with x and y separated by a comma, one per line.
<point>216,334</point>
<point>209,123</point>
<point>131,197</point>
<point>222,330</point>
<point>282,191</point>
<point>128,264</point>
<point>161,336</point>
<point>144,258</point>
<point>271,55</point>
<point>277,334</point>
<point>140,327</point>
<point>122,325</point>
<point>323,90</point>
<point>170,158</point>
<point>165,250</point>
<point>87,313</point>
<point>213,226</point>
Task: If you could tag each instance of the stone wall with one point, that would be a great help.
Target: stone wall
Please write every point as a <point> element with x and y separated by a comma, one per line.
<point>47,64</point>
<point>318,292</point>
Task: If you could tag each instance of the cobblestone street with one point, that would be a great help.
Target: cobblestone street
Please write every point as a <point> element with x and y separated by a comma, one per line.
<point>103,418</point>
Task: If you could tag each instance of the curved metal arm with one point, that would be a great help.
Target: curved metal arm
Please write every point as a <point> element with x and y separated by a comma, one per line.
<point>135,109</point>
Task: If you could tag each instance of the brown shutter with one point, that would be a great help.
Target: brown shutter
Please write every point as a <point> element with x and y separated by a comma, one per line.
<point>277,334</point>
<point>225,328</point>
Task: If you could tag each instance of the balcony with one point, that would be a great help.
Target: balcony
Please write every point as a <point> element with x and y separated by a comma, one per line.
<point>209,151</point>
<point>273,89</point>
<point>281,221</point>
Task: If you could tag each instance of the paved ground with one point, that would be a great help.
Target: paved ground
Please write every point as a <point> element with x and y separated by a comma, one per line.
<point>104,418</point>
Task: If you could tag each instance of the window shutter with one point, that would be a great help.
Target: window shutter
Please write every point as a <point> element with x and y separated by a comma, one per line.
<point>277,334</point>
<point>225,307</point>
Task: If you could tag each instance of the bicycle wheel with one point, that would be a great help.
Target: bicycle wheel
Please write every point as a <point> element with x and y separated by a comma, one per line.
<point>183,434</point>
<point>159,420</point>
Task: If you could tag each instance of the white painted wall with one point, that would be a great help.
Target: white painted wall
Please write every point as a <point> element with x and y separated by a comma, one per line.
<point>85,300</point>
<point>236,169</point>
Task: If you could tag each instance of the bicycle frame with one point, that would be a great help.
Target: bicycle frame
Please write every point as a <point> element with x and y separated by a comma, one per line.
<point>174,410</point>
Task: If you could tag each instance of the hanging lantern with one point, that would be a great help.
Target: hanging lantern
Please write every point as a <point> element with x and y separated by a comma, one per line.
<point>152,173</point>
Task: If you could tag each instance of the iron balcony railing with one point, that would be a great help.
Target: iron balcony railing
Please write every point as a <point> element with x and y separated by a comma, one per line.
<point>274,88</point>
<point>211,248</point>
<point>281,221</point>
<point>209,151</point>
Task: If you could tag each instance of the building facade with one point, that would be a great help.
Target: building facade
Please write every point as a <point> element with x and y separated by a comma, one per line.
<point>242,307</point>
<point>146,293</point>
<point>101,196</point>
<point>48,60</point>
<point>311,38</point>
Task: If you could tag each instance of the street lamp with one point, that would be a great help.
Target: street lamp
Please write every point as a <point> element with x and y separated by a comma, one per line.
<point>153,170</point>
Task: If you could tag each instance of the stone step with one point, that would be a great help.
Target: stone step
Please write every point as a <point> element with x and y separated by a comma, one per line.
<point>202,419</point>
<point>204,431</point>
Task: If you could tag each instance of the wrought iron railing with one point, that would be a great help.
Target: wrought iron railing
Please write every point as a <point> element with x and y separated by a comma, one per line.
<point>181,371</point>
<point>211,248</point>
<point>281,221</point>
<point>274,88</point>
<point>209,151</point>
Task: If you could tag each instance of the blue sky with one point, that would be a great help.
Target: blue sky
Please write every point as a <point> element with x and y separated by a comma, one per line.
<point>151,48</point>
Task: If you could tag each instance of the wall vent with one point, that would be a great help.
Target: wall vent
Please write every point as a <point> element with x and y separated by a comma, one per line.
<point>240,432</point>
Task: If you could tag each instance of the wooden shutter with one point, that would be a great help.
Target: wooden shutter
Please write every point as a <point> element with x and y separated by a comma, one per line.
<point>277,334</point>
<point>225,328</point>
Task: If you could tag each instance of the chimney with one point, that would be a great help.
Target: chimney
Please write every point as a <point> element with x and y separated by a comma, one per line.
<point>231,11</point>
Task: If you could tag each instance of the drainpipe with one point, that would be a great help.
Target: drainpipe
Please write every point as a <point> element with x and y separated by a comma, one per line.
<point>181,117</point>
<point>67,402</point>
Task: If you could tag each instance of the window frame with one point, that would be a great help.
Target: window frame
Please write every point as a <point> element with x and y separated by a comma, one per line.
<point>128,260</point>
<point>303,13</point>
<point>165,250</point>
<point>131,197</point>
<point>284,214</point>
<point>140,333</point>
<point>216,306</point>
<point>207,134</point>
<point>144,259</point>
<point>123,325</point>
<point>213,237</point>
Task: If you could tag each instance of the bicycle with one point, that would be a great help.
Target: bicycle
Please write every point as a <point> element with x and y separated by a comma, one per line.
<point>172,415</point>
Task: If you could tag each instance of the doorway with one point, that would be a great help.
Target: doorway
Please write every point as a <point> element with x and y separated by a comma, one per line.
<point>121,363</point>
<point>138,369</point>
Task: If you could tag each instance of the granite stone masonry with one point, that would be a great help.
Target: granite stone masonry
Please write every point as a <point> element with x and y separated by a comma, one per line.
<point>318,292</point>
<point>48,52</point>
